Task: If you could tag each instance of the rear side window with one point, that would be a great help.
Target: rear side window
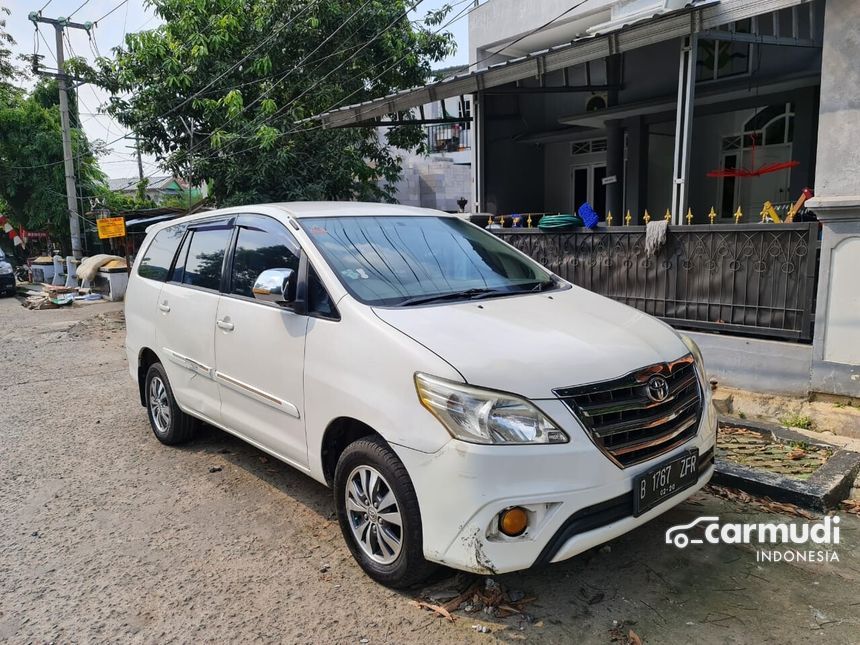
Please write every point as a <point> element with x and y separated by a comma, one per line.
<point>258,249</point>
<point>159,254</point>
<point>206,257</point>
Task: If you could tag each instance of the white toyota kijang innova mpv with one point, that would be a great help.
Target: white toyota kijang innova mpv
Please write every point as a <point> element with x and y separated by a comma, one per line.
<point>467,406</point>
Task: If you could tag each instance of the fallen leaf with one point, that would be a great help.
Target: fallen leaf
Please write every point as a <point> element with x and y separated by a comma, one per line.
<point>633,638</point>
<point>436,609</point>
<point>851,506</point>
<point>455,603</point>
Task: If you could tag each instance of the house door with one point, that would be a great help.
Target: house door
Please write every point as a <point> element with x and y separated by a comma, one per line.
<point>750,193</point>
<point>587,186</point>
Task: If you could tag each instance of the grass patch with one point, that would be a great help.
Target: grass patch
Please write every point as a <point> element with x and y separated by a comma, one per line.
<point>796,421</point>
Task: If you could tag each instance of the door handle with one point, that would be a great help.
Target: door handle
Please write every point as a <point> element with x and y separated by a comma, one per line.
<point>164,307</point>
<point>226,325</point>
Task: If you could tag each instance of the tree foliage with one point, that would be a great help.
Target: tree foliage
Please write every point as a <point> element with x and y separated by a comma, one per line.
<point>8,71</point>
<point>220,91</point>
<point>32,180</point>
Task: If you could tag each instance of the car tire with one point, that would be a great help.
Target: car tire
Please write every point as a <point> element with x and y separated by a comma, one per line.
<point>391,555</point>
<point>170,425</point>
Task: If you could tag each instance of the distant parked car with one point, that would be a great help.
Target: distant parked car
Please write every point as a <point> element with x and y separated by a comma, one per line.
<point>7,276</point>
<point>469,407</point>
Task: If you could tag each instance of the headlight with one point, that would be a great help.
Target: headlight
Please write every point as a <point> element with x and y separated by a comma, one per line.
<point>5,268</point>
<point>697,356</point>
<point>484,416</point>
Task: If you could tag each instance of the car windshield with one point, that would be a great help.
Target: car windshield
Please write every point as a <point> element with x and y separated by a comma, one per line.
<point>408,260</point>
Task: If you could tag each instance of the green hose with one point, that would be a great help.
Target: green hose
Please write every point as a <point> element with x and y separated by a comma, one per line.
<point>559,222</point>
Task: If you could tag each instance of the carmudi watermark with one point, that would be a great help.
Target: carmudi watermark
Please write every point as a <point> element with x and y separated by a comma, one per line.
<point>775,541</point>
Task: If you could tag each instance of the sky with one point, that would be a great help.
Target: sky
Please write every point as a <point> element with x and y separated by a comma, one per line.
<point>109,32</point>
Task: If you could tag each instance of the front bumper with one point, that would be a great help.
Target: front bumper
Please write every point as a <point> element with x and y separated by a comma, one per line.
<point>7,282</point>
<point>575,496</point>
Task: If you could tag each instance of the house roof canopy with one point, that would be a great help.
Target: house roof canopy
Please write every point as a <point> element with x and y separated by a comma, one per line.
<point>604,40</point>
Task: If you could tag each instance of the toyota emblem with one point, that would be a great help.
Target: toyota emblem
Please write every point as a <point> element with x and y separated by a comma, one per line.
<point>658,389</point>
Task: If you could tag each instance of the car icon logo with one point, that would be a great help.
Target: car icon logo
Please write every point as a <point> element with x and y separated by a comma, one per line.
<point>675,535</point>
<point>657,389</point>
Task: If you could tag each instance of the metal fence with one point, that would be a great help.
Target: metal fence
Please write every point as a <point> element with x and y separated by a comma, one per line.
<point>448,137</point>
<point>747,279</point>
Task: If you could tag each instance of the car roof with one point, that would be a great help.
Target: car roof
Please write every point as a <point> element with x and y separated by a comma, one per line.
<point>349,209</point>
<point>299,210</point>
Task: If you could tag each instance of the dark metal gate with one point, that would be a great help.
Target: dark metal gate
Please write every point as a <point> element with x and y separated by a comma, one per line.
<point>754,279</point>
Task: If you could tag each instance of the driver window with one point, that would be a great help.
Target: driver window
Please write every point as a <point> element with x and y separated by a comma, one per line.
<point>259,249</point>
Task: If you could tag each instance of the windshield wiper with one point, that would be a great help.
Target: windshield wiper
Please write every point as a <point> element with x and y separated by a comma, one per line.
<point>471,294</point>
<point>537,286</point>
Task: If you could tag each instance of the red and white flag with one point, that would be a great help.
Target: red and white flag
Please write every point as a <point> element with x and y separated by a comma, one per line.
<point>10,231</point>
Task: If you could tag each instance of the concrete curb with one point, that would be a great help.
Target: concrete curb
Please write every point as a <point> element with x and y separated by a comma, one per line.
<point>827,486</point>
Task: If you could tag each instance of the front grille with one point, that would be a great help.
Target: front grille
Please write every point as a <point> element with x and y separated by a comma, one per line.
<point>627,423</point>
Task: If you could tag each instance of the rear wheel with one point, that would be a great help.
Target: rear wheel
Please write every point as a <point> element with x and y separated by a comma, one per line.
<point>170,425</point>
<point>378,513</point>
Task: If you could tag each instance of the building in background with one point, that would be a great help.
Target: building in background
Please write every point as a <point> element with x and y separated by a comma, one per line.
<point>159,189</point>
<point>681,106</point>
<point>443,176</point>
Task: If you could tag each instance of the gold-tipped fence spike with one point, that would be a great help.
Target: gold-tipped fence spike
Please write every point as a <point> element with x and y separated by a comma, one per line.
<point>609,218</point>
<point>647,217</point>
<point>712,215</point>
<point>738,215</point>
<point>689,216</point>
<point>628,218</point>
<point>668,216</point>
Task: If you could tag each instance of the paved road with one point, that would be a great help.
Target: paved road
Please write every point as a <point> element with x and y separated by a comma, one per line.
<point>105,535</point>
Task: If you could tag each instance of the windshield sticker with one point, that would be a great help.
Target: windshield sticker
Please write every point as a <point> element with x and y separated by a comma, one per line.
<point>355,274</point>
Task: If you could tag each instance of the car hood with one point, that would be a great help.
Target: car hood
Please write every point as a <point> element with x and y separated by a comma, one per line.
<point>532,343</point>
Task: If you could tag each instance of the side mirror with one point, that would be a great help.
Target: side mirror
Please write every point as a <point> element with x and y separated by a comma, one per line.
<point>276,285</point>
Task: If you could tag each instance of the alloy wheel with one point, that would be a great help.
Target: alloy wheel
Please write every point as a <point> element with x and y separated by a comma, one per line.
<point>374,515</point>
<point>159,405</point>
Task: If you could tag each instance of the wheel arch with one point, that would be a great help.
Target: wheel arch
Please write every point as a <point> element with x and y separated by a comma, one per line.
<point>145,358</point>
<point>339,433</point>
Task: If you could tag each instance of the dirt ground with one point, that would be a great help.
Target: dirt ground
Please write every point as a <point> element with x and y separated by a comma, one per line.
<point>106,535</point>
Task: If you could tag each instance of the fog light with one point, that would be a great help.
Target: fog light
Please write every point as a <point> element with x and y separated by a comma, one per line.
<point>513,521</point>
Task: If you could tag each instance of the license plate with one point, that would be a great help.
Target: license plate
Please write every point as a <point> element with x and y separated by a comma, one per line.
<point>665,480</point>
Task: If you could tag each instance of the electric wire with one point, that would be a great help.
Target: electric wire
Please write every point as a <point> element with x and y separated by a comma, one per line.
<point>98,20</point>
<point>281,110</point>
<point>83,4</point>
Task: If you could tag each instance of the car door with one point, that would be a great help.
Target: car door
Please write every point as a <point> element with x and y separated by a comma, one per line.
<point>260,346</point>
<point>187,306</point>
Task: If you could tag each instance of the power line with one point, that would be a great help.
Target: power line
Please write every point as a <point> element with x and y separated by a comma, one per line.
<point>195,94</point>
<point>462,14</point>
<point>459,16</point>
<point>304,60</point>
<point>272,36</point>
<point>42,36</point>
<point>83,4</point>
<point>98,20</point>
<point>380,34</point>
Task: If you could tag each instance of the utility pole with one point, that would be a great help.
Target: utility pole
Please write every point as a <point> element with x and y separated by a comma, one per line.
<point>189,128</point>
<point>139,158</point>
<point>59,25</point>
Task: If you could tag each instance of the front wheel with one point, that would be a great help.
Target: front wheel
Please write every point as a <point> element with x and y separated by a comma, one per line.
<point>378,513</point>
